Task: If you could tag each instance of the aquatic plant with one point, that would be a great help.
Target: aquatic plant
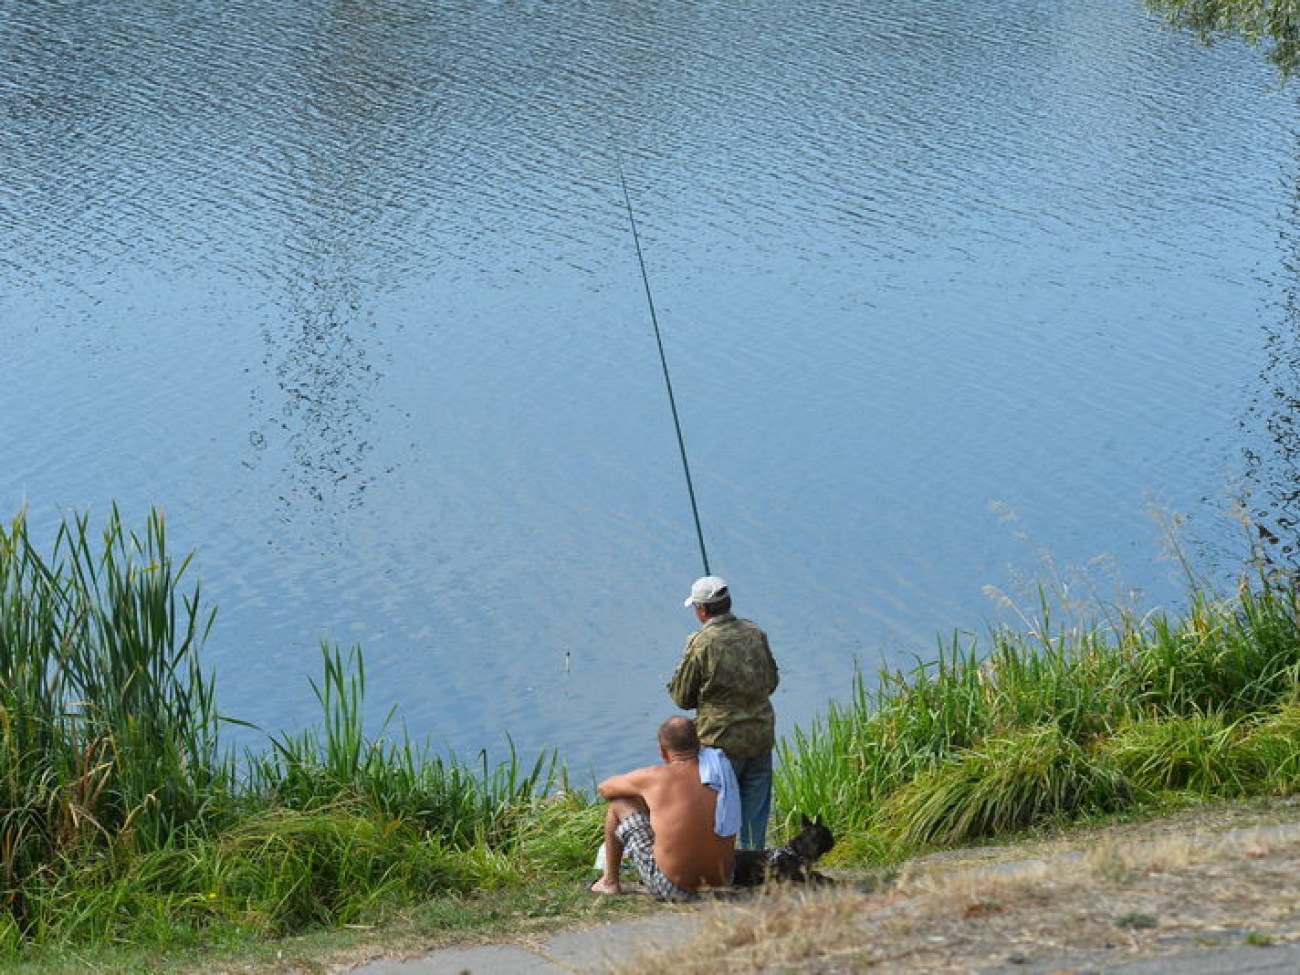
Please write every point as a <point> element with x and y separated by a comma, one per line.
<point>396,777</point>
<point>109,725</point>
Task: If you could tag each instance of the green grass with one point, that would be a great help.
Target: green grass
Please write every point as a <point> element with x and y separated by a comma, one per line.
<point>394,778</point>
<point>1008,783</point>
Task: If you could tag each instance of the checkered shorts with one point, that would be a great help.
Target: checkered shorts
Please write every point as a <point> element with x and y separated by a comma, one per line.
<point>638,839</point>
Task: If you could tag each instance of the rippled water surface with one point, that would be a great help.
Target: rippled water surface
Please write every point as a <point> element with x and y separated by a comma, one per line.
<point>952,293</point>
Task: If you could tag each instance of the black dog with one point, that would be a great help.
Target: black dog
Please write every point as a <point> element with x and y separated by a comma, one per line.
<point>791,863</point>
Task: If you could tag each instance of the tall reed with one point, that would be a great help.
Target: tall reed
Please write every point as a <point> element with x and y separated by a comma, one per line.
<point>109,724</point>
<point>397,777</point>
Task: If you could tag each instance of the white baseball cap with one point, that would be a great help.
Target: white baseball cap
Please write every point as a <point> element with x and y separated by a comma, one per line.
<point>708,589</point>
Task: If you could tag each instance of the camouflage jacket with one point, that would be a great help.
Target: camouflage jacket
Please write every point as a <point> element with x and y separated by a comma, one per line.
<point>727,674</point>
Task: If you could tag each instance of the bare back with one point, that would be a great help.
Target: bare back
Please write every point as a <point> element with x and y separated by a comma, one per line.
<point>682,810</point>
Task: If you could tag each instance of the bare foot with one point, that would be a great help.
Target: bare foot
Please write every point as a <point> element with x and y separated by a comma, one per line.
<point>604,886</point>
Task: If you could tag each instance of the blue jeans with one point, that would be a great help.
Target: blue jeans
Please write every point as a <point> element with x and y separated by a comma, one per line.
<point>754,775</point>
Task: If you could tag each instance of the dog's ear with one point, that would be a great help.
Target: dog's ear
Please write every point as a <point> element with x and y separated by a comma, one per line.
<point>806,821</point>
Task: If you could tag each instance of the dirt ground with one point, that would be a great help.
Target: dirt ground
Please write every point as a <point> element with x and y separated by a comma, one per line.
<point>1225,877</point>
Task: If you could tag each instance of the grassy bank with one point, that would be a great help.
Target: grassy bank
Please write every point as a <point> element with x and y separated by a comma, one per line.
<point>124,825</point>
<point>1045,726</point>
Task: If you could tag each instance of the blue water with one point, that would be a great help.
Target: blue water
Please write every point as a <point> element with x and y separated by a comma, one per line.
<point>954,295</point>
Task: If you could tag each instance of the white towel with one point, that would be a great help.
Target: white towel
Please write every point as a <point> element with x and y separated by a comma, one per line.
<point>716,772</point>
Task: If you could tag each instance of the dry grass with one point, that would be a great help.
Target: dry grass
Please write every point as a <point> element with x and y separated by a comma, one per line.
<point>1097,899</point>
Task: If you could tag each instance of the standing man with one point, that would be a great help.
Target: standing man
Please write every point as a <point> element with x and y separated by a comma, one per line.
<point>728,675</point>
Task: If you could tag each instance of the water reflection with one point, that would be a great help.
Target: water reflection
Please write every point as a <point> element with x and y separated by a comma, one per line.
<point>324,371</point>
<point>1273,424</point>
<point>327,189</point>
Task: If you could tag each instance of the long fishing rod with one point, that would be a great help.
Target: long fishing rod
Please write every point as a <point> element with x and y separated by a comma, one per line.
<point>663,361</point>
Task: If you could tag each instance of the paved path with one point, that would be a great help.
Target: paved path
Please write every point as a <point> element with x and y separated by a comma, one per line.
<point>582,950</point>
<point>597,948</point>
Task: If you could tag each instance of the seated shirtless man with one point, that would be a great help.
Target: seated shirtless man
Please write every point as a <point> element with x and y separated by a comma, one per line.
<point>664,817</point>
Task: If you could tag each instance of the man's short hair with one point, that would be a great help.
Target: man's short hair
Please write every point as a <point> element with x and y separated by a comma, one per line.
<point>677,734</point>
<point>723,605</point>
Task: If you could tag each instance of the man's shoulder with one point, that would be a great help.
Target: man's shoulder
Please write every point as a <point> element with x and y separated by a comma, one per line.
<point>648,771</point>
<point>660,782</point>
<point>663,771</point>
<point>725,632</point>
<point>722,629</point>
<point>739,625</point>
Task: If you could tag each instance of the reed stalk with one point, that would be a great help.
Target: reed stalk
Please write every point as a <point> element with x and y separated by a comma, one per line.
<point>396,777</point>
<point>109,724</point>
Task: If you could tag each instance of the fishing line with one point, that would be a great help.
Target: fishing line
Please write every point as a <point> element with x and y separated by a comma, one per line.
<point>663,361</point>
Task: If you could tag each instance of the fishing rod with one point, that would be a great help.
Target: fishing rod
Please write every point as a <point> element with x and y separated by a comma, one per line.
<point>663,361</point>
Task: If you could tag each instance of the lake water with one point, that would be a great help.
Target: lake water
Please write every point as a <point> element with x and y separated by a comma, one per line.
<point>953,294</point>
